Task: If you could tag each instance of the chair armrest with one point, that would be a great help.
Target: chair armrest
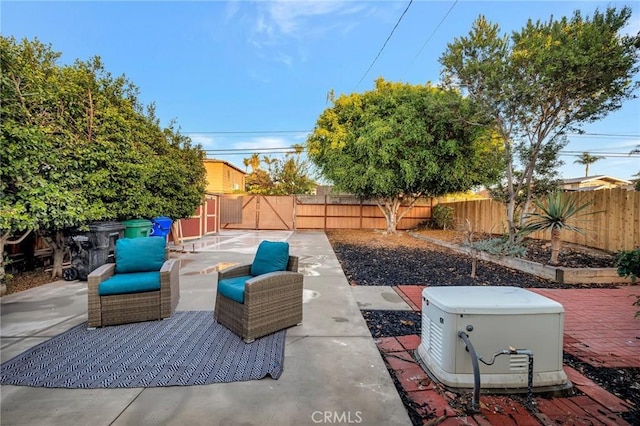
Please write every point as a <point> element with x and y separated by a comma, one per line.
<point>94,308</point>
<point>271,281</point>
<point>169,266</point>
<point>102,273</point>
<point>169,287</point>
<point>234,271</point>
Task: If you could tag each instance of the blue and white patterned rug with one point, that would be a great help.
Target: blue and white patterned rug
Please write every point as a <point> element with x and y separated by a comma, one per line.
<point>190,348</point>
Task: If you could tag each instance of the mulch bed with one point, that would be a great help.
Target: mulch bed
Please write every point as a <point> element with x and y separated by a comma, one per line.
<point>368,258</point>
<point>364,265</point>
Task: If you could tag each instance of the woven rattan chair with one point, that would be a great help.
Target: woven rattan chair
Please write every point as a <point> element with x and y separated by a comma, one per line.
<point>137,303</point>
<point>272,301</point>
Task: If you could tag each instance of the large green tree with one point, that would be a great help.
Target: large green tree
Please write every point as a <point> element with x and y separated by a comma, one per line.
<point>543,81</point>
<point>77,146</point>
<point>399,142</point>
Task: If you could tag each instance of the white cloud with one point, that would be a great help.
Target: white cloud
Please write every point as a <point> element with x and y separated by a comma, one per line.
<point>279,22</point>
<point>291,17</point>
<point>207,141</point>
<point>263,142</point>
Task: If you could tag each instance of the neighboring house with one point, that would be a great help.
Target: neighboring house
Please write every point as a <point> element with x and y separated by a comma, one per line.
<point>592,183</point>
<point>223,177</point>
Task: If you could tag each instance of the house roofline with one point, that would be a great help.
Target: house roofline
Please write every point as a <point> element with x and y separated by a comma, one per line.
<point>215,160</point>
<point>596,177</point>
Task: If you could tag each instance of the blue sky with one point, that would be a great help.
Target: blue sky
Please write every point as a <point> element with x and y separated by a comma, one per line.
<point>255,75</point>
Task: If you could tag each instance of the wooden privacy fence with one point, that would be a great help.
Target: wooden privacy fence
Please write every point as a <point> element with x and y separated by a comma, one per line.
<point>316,212</point>
<point>615,228</point>
<point>347,212</point>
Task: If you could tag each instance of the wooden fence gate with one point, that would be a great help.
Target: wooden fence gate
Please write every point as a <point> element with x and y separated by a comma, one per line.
<point>264,212</point>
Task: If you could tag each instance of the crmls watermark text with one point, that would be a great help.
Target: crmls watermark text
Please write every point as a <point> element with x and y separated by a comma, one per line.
<point>353,417</point>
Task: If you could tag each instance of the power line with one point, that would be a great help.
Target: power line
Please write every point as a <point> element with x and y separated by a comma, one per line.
<point>429,39</point>
<point>383,46</point>
<point>605,134</point>
<point>302,148</point>
<point>243,132</point>
<point>601,154</point>
<point>249,132</point>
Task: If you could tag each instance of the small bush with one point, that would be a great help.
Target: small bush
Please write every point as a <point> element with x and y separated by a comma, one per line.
<point>628,264</point>
<point>442,216</point>
<point>500,246</point>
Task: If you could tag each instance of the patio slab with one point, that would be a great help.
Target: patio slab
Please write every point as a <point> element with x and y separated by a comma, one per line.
<point>333,370</point>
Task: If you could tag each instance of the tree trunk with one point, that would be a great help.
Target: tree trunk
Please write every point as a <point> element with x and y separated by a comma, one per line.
<point>511,193</point>
<point>3,284</point>
<point>472,250</point>
<point>390,208</point>
<point>4,240</point>
<point>474,265</point>
<point>555,246</point>
<point>57,244</point>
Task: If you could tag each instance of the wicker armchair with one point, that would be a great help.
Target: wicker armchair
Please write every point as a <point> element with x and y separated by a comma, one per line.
<point>272,301</point>
<point>136,303</point>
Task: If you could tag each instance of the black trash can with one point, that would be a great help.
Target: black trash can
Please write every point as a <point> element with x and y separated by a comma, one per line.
<point>92,249</point>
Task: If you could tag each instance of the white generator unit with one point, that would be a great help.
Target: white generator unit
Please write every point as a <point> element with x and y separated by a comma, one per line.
<point>507,328</point>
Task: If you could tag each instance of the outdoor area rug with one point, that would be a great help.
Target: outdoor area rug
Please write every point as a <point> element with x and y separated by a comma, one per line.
<point>189,348</point>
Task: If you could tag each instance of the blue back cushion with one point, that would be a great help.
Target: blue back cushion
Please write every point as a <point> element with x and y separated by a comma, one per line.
<point>143,254</point>
<point>135,282</point>
<point>271,256</point>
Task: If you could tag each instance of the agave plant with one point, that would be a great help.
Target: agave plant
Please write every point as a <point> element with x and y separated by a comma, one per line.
<point>553,215</point>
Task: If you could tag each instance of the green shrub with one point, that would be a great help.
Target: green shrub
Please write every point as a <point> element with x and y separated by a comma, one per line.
<point>500,246</point>
<point>442,216</point>
<point>628,264</point>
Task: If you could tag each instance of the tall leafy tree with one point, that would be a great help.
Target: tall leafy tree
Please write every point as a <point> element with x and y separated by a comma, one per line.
<point>399,142</point>
<point>77,146</point>
<point>587,160</point>
<point>547,79</point>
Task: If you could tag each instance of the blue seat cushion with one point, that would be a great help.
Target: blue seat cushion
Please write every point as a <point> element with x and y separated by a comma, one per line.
<point>135,282</point>
<point>139,254</point>
<point>271,256</point>
<point>233,288</point>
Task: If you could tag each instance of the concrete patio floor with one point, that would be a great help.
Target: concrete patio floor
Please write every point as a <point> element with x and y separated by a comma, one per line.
<point>333,371</point>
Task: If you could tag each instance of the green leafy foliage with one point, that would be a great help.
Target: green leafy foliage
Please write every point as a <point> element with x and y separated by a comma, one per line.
<point>628,264</point>
<point>77,146</point>
<point>399,141</point>
<point>442,216</point>
<point>500,246</point>
<point>539,83</point>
